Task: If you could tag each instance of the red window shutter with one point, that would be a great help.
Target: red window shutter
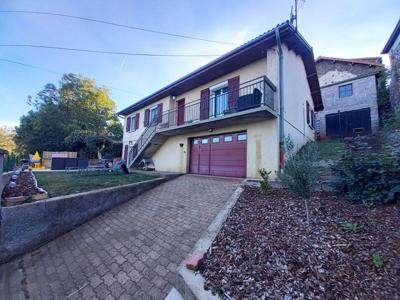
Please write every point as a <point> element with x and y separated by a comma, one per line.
<point>128,124</point>
<point>308,112</point>
<point>146,117</point>
<point>312,119</point>
<point>137,121</point>
<point>233,91</point>
<point>204,104</point>
<point>159,112</point>
<point>126,153</point>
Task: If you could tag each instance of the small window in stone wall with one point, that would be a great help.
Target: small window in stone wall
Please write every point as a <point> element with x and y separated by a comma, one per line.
<point>346,90</point>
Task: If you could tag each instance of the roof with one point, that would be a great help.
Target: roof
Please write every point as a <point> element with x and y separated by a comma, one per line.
<point>370,61</point>
<point>392,39</point>
<point>243,55</point>
<point>375,73</point>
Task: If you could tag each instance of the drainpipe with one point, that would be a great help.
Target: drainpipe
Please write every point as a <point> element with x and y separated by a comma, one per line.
<point>281,104</point>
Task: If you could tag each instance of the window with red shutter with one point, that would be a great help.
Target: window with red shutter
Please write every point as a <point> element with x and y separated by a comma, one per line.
<point>312,119</point>
<point>204,104</point>
<point>137,121</point>
<point>233,92</point>
<point>146,117</point>
<point>159,112</point>
<point>128,124</point>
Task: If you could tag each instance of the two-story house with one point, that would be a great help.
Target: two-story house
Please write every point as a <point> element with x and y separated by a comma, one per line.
<point>349,95</point>
<point>231,116</point>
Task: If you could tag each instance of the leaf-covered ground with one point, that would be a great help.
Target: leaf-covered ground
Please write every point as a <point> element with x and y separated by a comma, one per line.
<point>266,251</point>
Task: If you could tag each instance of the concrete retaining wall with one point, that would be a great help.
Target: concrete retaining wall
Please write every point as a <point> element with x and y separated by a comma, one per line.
<point>27,226</point>
<point>5,179</point>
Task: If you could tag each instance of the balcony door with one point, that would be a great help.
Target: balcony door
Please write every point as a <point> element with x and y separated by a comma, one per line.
<point>221,101</point>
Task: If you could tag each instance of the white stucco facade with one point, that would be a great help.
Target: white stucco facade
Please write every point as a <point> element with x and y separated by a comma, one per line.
<point>262,136</point>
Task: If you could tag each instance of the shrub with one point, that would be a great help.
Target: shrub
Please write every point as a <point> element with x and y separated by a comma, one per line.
<point>300,173</point>
<point>369,171</point>
<point>351,227</point>
<point>265,184</point>
<point>377,259</point>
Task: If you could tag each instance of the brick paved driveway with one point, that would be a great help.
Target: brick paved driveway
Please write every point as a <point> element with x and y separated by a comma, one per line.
<point>129,252</point>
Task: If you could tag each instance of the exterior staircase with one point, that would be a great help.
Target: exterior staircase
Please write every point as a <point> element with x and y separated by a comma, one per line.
<point>147,144</point>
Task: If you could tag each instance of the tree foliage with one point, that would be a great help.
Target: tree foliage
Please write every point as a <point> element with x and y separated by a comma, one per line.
<point>7,139</point>
<point>300,173</point>
<point>76,115</point>
<point>369,171</point>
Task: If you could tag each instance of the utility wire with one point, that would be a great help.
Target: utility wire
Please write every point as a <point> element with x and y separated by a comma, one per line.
<point>54,72</point>
<point>106,52</point>
<point>115,24</point>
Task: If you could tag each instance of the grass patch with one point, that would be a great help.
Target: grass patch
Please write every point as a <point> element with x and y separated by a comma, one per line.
<point>62,183</point>
<point>330,150</point>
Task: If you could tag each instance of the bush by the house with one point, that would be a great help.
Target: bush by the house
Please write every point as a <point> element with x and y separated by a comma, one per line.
<point>265,184</point>
<point>300,174</point>
<point>369,171</point>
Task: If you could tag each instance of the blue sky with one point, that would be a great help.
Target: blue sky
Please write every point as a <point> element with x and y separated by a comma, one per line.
<point>334,28</point>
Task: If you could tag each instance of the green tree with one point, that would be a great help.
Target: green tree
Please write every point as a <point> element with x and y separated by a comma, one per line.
<point>300,174</point>
<point>77,115</point>
<point>7,139</point>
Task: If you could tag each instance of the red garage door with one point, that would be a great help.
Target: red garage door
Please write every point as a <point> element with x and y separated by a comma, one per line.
<point>219,155</point>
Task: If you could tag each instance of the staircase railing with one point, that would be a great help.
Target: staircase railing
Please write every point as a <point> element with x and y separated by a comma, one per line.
<point>141,142</point>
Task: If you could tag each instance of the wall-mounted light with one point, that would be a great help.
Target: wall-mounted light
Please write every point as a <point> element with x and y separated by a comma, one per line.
<point>173,97</point>
<point>210,129</point>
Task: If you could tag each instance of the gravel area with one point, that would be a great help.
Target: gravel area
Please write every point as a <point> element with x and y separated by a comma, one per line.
<point>25,186</point>
<point>266,251</point>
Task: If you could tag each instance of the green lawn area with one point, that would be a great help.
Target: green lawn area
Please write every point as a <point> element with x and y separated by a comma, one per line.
<point>330,150</point>
<point>63,183</point>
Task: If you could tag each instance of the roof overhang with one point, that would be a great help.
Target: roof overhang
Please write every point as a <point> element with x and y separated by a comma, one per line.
<point>392,39</point>
<point>249,52</point>
<point>370,61</point>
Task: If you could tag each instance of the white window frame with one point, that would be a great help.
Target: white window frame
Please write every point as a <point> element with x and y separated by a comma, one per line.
<point>133,123</point>
<point>150,118</point>
<point>213,89</point>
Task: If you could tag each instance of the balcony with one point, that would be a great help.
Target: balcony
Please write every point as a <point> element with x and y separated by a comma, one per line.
<point>252,101</point>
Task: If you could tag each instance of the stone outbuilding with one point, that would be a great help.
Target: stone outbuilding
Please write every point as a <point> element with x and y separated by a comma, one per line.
<point>349,95</point>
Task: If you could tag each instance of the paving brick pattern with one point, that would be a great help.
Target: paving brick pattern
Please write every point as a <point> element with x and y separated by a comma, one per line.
<point>129,252</point>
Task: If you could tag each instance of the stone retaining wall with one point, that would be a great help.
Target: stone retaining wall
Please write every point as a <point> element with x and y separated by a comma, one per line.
<point>27,226</point>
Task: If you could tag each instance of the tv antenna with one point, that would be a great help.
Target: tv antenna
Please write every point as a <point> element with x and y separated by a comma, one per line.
<point>293,14</point>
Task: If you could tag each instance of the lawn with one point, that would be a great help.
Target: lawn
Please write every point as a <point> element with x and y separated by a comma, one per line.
<point>328,153</point>
<point>330,150</point>
<point>63,183</point>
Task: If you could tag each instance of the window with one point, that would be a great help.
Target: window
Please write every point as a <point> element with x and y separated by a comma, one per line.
<point>153,115</point>
<point>204,141</point>
<point>345,90</point>
<point>215,140</point>
<point>195,142</point>
<point>219,99</point>
<point>242,137</point>
<point>228,138</point>
<point>133,123</point>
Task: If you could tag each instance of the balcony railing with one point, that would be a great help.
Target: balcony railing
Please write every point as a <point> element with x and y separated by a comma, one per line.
<point>255,93</point>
